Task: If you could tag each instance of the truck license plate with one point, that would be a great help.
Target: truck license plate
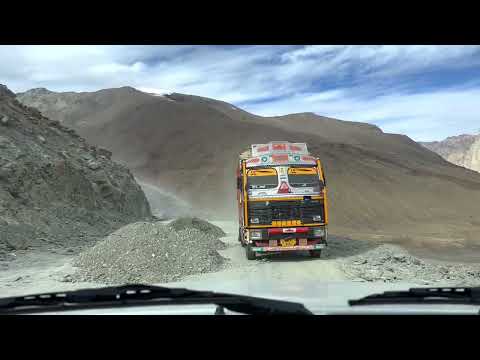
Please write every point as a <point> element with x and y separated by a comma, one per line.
<point>288,242</point>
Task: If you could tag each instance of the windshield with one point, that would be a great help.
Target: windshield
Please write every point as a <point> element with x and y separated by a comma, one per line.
<point>253,170</point>
<point>303,177</point>
<point>262,179</point>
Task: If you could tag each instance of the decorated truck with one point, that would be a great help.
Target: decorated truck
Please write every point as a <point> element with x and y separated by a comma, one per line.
<point>282,200</point>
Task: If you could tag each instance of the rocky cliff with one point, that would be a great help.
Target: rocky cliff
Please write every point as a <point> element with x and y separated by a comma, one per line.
<point>55,189</point>
<point>462,150</point>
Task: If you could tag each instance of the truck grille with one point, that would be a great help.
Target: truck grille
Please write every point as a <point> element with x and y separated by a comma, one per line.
<point>302,210</point>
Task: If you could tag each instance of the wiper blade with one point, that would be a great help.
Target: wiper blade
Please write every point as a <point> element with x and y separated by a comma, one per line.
<point>144,295</point>
<point>438,295</point>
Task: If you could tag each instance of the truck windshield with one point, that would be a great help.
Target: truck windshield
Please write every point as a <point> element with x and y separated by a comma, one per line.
<point>262,179</point>
<point>299,177</point>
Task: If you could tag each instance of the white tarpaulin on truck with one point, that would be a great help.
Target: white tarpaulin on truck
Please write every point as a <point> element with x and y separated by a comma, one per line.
<point>279,147</point>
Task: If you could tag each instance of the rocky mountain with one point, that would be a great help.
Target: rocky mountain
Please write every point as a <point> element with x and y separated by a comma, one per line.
<point>461,150</point>
<point>55,188</point>
<point>382,185</point>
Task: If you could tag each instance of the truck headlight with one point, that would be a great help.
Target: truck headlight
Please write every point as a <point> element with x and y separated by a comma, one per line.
<point>255,234</point>
<point>254,220</point>
<point>318,232</point>
<point>317,217</point>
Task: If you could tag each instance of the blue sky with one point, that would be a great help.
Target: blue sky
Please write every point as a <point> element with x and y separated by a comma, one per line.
<point>425,92</point>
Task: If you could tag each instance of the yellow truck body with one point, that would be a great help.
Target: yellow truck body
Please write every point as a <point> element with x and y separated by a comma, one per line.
<point>282,199</point>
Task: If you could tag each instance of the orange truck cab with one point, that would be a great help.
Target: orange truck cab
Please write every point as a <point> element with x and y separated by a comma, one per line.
<point>282,200</point>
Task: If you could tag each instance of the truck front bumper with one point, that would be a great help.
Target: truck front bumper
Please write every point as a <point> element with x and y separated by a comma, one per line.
<point>263,249</point>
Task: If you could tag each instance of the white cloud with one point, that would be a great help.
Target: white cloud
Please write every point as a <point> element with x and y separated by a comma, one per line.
<point>371,57</point>
<point>323,96</point>
<point>423,117</point>
<point>312,50</point>
<point>115,68</point>
<point>364,83</point>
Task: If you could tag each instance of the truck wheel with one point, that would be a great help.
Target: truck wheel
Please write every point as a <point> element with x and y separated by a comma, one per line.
<point>250,254</point>
<point>240,237</point>
<point>315,253</point>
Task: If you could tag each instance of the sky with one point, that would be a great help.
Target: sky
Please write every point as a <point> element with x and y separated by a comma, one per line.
<point>425,92</point>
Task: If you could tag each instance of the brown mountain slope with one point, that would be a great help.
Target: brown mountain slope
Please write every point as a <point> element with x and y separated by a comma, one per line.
<point>461,150</point>
<point>379,183</point>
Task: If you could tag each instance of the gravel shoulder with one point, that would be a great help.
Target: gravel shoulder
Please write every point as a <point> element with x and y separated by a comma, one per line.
<point>391,263</point>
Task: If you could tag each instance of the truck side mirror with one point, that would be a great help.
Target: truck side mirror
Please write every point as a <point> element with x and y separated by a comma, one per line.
<point>239,183</point>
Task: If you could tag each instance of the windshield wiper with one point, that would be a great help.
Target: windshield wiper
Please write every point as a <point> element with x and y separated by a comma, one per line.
<point>145,295</point>
<point>439,295</point>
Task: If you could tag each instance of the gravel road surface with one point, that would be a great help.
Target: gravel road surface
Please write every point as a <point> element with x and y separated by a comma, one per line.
<point>344,260</point>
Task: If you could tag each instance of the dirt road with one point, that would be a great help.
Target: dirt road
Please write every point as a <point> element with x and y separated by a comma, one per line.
<point>42,271</point>
<point>38,272</point>
<point>278,267</point>
<point>343,260</point>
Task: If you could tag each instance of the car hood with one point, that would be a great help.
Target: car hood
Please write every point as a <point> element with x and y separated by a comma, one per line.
<point>319,297</point>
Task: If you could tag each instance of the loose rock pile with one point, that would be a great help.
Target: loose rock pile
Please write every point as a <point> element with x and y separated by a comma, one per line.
<point>196,223</point>
<point>146,252</point>
<point>392,263</point>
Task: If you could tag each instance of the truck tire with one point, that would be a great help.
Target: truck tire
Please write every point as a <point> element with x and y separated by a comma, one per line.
<point>250,254</point>
<point>315,253</point>
<point>240,237</point>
